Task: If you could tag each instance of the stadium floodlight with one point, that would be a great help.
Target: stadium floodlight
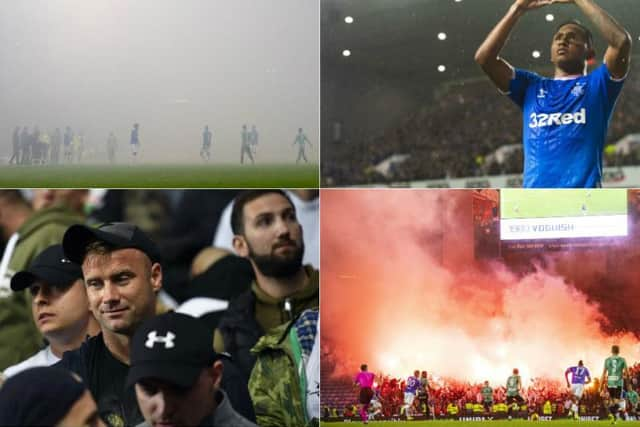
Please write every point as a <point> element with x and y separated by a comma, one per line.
<point>549,17</point>
<point>442,36</point>
<point>442,68</point>
<point>348,19</point>
<point>535,54</point>
<point>346,52</point>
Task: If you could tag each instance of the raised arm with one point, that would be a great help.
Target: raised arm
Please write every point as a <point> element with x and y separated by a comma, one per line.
<point>487,55</point>
<point>618,52</point>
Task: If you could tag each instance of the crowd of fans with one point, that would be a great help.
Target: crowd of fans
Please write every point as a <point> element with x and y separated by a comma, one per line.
<point>455,135</point>
<point>445,394</point>
<point>124,289</point>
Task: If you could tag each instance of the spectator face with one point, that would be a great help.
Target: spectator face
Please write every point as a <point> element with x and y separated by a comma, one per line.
<point>272,237</point>
<point>163,404</point>
<point>121,287</point>
<point>83,413</point>
<point>59,311</point>
<point>73,199</point>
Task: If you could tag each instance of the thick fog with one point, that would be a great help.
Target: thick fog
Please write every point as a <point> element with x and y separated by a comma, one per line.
<point>173,66</point>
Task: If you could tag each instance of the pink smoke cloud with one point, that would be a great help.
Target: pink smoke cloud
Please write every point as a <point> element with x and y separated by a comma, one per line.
<point>401,290</point>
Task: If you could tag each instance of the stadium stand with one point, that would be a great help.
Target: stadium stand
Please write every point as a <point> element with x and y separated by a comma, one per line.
<point>458,134</point>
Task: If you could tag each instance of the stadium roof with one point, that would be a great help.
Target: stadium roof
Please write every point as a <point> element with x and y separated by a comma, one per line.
<point>398,39</point>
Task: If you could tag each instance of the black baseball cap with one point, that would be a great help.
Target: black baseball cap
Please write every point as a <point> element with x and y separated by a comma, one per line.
<point>39,396</point>
<point>50,266</point>
<point>171,347</point>
<point>120,235</point>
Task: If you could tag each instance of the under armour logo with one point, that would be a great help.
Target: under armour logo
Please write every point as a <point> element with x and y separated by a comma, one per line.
<point>153,337</point>
<point>65,261</point>
<point>542,93</point>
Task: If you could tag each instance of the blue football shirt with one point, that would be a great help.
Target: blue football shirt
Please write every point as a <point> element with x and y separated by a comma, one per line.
<point>413,384</point>
<point>579,374</point>
<point>565,124</point>
<point>134,137</point>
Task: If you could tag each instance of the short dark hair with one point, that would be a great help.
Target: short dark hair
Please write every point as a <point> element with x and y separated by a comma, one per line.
<point>587,32</point>
<point>237,224</point>
<point>615,349</point>
<point>13,197</point>
<point>99,247</point>
<point>363,367</point>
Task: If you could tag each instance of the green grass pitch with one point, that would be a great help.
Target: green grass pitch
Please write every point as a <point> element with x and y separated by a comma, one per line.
<point>161,176</point>
<point>492,423</point>
<point>519,203</point>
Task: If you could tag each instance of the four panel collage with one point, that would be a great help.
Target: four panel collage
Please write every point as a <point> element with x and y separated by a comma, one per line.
<point>189,189</point>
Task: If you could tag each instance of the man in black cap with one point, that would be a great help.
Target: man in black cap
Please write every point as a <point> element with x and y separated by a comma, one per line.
<point>123,275</point>
<point>46,396</point>
<point>29,232</point>
<point>59,306</point>
<point>177,374</point>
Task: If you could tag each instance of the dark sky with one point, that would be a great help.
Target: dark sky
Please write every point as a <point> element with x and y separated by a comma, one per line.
<point>400,37</point>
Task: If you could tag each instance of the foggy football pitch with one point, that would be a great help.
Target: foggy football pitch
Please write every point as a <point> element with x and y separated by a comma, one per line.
<point>161,176</point>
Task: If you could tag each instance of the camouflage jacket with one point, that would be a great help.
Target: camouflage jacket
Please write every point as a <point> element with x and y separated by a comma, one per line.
<point>278,383</point>
<point>254,312</point>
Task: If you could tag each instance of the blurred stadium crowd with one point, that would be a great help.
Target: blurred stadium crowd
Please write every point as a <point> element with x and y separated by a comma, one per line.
<point>467,130</point>
<point>178,330</point>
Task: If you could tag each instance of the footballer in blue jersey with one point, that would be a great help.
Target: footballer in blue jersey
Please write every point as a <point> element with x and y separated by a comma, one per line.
<point>410,390</point>
<point>579,377</point>
<point>565,118</point>
<point>135,141</point>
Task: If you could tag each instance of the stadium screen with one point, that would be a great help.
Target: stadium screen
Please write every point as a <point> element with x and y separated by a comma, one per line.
<point>562,214</point>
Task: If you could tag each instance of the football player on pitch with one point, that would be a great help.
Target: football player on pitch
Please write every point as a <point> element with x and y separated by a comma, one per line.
<point>579,377</point>
<point>615,371</point>
<point>565,117</point>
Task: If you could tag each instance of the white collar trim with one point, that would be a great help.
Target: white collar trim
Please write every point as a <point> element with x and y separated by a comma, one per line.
<point>572,77</point>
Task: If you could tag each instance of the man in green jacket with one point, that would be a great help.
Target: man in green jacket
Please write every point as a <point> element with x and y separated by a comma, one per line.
<point>28,232</point>
<point>284,384</point>
<point>267,233</point>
